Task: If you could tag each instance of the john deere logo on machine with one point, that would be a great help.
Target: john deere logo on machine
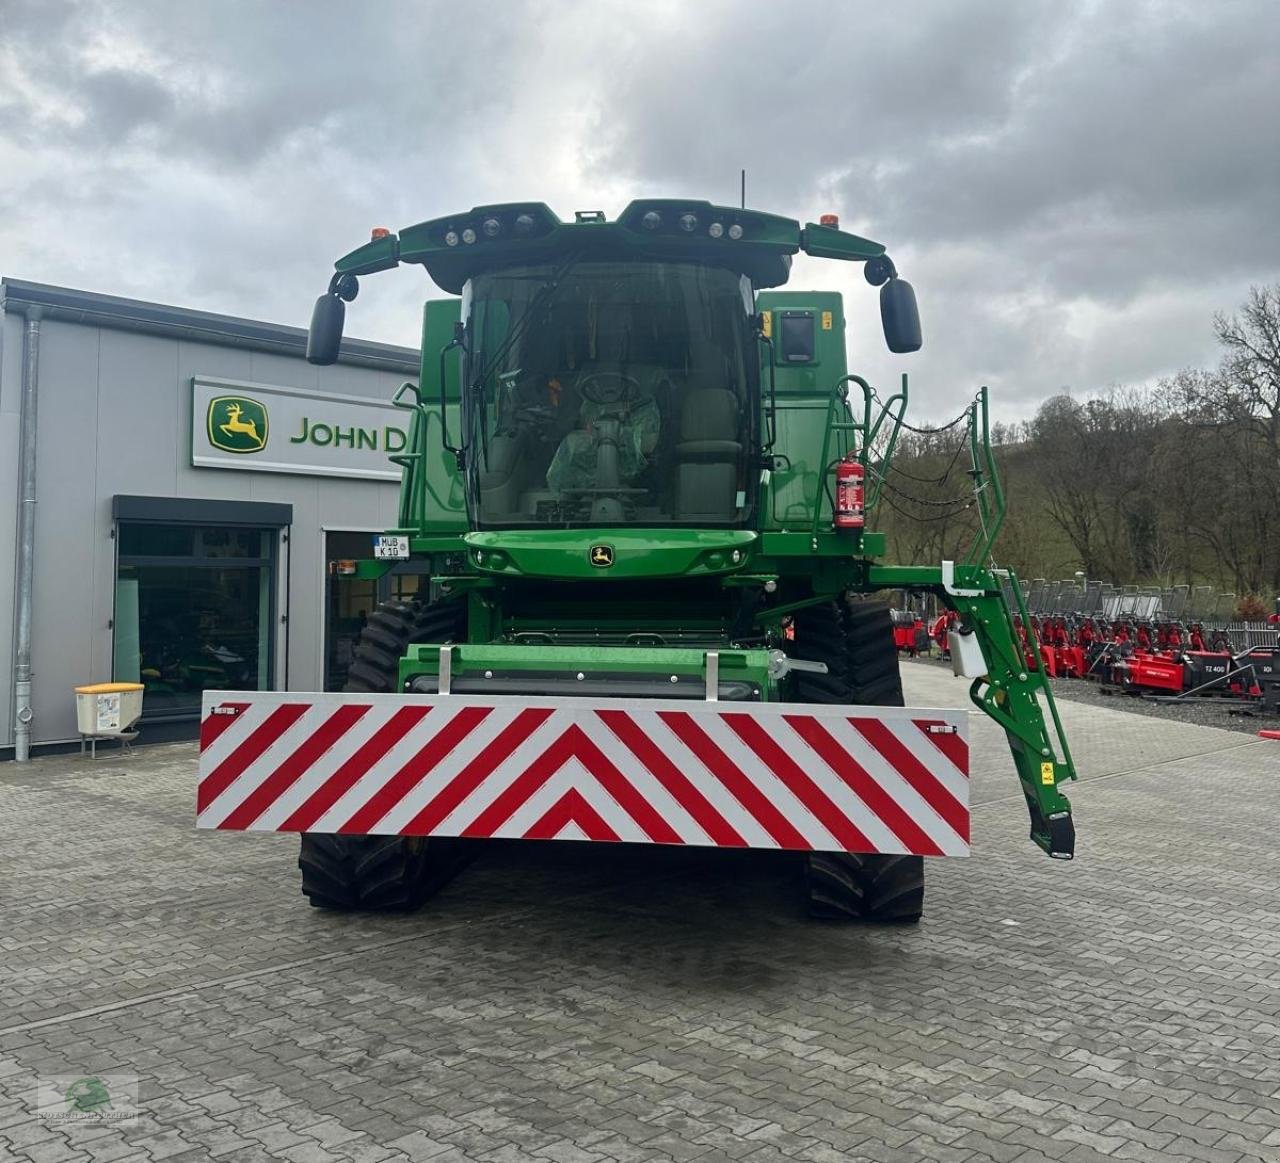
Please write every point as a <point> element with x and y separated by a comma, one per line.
<point>237,424</point>
<point>602,556</point>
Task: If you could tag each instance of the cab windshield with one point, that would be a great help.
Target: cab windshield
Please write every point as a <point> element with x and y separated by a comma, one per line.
<point>610,393</point>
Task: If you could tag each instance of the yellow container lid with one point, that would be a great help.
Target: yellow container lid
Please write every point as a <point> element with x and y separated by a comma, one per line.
<point>108,688</point>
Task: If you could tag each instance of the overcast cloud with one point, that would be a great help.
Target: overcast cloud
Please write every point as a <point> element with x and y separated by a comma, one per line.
<point>1073,189</point>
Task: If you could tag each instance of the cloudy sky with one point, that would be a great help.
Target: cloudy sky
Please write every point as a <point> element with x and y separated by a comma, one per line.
<point>1073,188</point>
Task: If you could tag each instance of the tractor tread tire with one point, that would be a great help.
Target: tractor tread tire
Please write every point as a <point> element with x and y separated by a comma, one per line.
<point>847,886</point>
<point>384,873</point>
<point>393,627</point>
<point>855,639</point>
<point>361,872</point>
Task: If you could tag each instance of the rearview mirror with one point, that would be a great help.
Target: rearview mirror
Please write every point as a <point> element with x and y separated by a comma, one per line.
<point>325,335</point>
<point>899,316</point>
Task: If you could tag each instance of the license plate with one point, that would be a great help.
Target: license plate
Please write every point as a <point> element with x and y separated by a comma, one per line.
<point>387,547</point>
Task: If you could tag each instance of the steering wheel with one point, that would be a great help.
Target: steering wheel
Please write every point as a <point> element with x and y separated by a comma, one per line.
<point>608,387</point>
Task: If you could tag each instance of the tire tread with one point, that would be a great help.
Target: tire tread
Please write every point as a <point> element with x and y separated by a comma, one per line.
<point>854,637</point>
<point>384,873</point>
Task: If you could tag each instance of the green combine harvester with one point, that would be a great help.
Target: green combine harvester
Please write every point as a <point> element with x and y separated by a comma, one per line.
<point>638,480</point>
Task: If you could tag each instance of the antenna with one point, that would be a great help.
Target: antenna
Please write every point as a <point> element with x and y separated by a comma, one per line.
<point>744,189</point>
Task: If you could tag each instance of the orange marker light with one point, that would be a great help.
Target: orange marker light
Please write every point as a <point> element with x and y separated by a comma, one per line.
<point>378,232</point>
<point>832,220</point>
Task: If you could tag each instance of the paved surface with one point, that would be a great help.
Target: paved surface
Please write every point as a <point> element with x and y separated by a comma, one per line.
<point>566,1003</point>
<point>1228,713</point>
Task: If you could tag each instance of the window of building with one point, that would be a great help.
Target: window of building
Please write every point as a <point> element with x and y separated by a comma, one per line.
<point>193,612</point>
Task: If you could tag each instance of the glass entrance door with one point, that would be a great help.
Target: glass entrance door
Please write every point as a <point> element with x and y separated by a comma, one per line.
<point>193,612</point>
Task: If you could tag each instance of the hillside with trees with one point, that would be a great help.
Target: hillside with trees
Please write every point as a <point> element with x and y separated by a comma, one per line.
<point>1174,485</point>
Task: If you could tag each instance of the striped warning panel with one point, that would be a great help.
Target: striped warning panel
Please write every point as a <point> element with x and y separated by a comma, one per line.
<point>783,775</point>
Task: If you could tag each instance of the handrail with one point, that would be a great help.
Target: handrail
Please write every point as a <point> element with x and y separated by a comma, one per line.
<point>987,490</point>
<point>892,409</point>
<point>398,399</point>
<point>869,432</point>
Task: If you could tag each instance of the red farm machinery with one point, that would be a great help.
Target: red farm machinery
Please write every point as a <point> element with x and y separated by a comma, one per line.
<point>1169,643</point>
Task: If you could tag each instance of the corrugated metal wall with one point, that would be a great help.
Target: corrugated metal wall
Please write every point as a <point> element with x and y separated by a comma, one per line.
<point>115,417</point>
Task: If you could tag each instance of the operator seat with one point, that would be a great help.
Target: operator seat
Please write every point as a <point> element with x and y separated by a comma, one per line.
<point>576,462</point>
<point>707,457</point>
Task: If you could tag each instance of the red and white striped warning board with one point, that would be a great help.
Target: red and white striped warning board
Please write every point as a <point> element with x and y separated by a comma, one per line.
<point>781,775</point>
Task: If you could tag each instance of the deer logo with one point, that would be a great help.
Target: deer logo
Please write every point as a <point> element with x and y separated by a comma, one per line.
<point>237,424</point>
<point>601,556</point>
<point>234,424</point>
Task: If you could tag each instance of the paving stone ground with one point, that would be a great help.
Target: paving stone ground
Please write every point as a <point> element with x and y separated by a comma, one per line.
<point>570,1002</point>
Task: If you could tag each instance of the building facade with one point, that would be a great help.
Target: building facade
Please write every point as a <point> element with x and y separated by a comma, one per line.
<point>195,482</point>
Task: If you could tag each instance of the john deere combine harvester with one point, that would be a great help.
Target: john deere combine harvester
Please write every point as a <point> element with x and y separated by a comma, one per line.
<point>637,481</point>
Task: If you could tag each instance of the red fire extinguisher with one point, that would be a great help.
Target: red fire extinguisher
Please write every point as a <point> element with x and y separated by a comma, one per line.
<point>850,510</point>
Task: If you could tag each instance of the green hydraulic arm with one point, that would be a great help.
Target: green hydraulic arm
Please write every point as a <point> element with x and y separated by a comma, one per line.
<point>1014,691</point>
<point>1014,688</point>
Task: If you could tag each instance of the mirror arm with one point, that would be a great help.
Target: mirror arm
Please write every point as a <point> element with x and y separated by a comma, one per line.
<point>344,286</point>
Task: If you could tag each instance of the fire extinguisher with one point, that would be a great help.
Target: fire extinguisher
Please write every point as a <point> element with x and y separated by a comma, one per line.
<point>850,507</point>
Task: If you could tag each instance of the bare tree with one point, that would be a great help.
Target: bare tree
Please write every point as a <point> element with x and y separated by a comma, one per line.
<point>1230,436</point>
<point>1181,484</point>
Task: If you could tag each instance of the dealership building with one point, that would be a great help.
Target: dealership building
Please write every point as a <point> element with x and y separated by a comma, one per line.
<point>193,481</point>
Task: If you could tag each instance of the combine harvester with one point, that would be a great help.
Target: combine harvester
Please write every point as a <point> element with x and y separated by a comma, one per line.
<point>638,480</point>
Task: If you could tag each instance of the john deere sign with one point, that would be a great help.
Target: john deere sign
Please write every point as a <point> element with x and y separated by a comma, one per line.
<point>266,428</point>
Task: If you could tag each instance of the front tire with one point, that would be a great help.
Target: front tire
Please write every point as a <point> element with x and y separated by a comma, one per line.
<point>855,640</point>
<point>384,873</point>
<point>391,629</point>
<point>364,873</point>
<point>851,886</point>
